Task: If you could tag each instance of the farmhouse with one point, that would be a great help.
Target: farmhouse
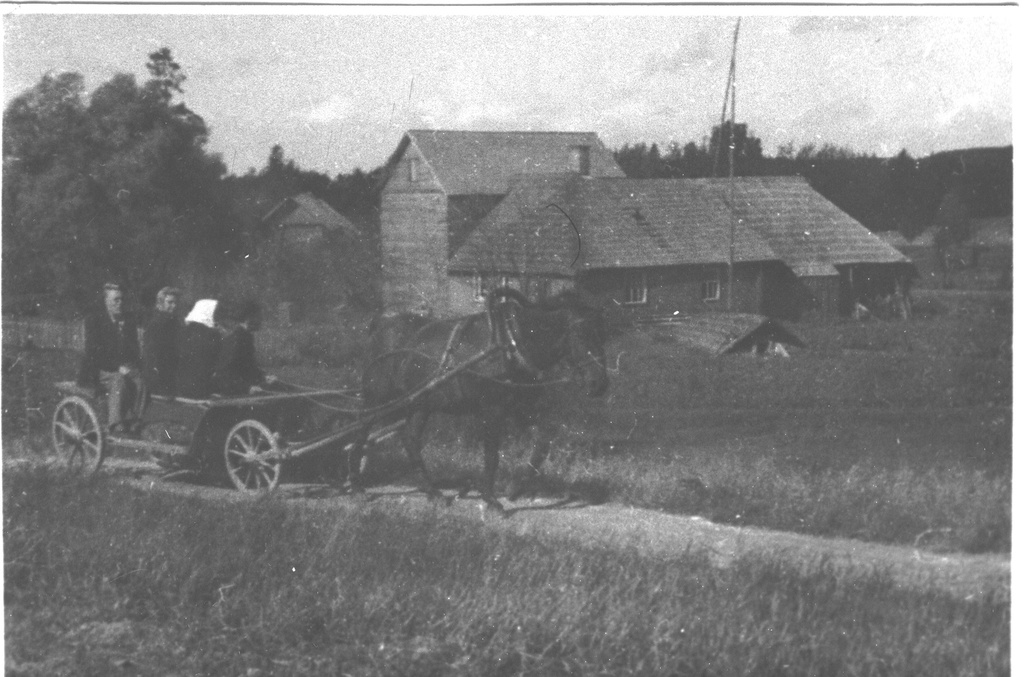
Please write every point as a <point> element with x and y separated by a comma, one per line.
<point>305,219</point>
<point>464,211</point>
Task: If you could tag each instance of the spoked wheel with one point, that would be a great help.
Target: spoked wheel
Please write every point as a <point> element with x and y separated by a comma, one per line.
<point>251,455</point>
<point>77,435</point>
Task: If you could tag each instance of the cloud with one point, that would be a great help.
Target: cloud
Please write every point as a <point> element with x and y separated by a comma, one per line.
<point>830,24</point>
<point>475,114</point>
<point>837,112</point>
<point>702,50</point>
<point>848,24</point>
<point>335,108</point>
<point>968,126</point>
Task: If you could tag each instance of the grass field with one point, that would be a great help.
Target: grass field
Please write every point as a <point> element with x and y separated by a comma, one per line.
<point>103,579</point>
<point>883,431</point>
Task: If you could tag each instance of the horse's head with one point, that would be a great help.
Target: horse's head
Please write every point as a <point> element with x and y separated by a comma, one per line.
<point>561,329</point>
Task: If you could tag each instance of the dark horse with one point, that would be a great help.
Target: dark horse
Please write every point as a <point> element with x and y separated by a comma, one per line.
<point>489,365</point>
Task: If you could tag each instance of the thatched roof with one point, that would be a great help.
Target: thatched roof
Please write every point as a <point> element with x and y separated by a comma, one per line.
<point>629,223</point>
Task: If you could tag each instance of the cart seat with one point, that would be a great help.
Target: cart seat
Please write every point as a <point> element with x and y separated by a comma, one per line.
<point>73,388</point>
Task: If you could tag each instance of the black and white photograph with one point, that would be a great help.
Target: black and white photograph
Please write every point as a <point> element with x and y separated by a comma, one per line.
<point>507,340</point>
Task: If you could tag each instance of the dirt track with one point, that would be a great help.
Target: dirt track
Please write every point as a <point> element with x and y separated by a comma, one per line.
<point>648,531</point>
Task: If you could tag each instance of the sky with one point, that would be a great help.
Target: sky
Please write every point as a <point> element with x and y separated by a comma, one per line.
<point>336,87</point>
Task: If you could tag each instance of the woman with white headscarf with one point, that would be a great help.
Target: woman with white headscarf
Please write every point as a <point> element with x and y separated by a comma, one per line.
<point>197,351</point>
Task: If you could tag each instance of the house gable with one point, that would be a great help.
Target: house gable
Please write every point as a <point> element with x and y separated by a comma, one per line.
<point>409,171</point>
<point>306,217</point>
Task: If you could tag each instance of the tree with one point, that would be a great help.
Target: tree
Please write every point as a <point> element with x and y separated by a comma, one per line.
<point>120,187</point>
<point>902,202</point>
<point>747,153</point>
<point>952,222</point>
<point>46,185</point>
<point>167,76</point>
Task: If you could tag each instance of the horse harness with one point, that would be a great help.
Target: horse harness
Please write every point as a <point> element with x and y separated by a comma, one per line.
<point>502,332</point>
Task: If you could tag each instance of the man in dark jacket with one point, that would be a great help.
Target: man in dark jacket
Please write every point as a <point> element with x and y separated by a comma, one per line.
<point>111,361</point>
<point>160,344</point>
<point>198,346</point>
<point>237,372</point>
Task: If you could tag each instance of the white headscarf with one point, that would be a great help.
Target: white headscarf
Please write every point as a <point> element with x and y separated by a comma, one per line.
<point>202,312</point>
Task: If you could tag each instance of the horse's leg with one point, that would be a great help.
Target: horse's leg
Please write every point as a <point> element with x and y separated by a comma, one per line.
<point>413,440</point>
<point>528,478</point>
<point>492,430</point>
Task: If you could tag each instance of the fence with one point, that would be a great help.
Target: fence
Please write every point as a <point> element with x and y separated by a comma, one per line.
<point>328,343</point>
<point>41,333</point>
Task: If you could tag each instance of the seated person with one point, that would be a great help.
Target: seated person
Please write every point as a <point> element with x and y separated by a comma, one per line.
<point>198,345</point>
<point>160,344</point>
<point>236,372</point>
<point>111,360</point>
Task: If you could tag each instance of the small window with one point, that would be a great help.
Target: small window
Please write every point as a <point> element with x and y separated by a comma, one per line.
<point>581,160</point>
<point>480,287</point>
<point>414,170</point>
<point>710,290</point>
<point>636,289</point>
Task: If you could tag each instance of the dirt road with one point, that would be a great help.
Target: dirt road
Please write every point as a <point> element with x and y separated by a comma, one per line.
<point>651,532</point>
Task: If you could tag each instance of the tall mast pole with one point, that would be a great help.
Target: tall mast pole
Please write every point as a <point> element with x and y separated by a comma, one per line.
<point>730,90</point>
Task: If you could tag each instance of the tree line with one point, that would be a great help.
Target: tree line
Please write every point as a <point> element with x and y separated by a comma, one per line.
<point>899,193</point>
<point>118,185</point>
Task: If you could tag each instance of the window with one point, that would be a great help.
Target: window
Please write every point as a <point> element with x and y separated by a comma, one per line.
<point>414,170</point>
<point>480,287</point>
<point>710,290</point>
<point>581,160</point>
<point>636,289</point>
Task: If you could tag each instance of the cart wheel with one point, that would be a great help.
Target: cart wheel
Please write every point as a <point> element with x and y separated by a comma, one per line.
<point>77,435</point>
<point>251,456</point>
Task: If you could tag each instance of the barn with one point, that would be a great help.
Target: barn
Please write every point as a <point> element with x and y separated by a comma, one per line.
<point>554,216</point>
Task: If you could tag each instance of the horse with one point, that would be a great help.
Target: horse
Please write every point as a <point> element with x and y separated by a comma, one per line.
<point>488,365</point>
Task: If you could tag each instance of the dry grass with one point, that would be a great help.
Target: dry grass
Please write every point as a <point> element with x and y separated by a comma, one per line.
<point>100,578</point>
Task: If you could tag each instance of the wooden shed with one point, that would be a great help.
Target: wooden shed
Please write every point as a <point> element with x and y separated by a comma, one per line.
<point>730,333</point>
<point>305,219</point>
